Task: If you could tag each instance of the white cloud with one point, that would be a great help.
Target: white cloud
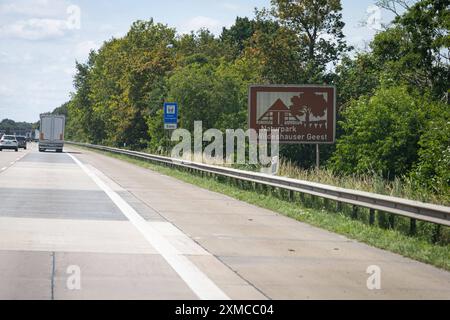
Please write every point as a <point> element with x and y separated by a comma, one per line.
<point>36,8</point>
<point>106,27</point>
<point>200,22</point>
<point>5,91</point>
<point>38,28</point>
<point>16,58</point>
<point>83,49</point>
<point>35,29</point>
<point>70,71</point>
<point>230,6</point>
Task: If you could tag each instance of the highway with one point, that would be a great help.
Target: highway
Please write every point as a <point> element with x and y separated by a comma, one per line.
<point>81,225</point>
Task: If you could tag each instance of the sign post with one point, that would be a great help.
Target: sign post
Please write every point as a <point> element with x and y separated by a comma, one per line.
<point>317,157</point>
<point>170,118</point>
<point>303,114</point>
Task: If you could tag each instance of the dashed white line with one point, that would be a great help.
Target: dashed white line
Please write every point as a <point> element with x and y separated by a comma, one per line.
<point>199,283</point>
<point>4,168</point>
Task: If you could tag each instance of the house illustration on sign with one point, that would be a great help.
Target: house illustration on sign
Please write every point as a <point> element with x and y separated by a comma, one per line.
<point>278,115</point>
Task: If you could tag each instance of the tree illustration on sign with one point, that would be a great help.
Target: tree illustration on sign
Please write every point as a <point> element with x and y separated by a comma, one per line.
<point>308,103</point>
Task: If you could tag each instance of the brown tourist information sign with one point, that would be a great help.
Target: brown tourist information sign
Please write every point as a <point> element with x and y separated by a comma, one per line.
<point>301,113</point>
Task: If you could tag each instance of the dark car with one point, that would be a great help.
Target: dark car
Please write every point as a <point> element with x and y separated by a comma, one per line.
<point>22,142</point>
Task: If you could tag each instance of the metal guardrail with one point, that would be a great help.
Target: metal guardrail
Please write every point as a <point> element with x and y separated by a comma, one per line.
<point>408,208</point>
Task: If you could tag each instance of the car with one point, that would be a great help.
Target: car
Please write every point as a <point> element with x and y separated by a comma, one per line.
<point>9,142</point>
<point>22,142</point>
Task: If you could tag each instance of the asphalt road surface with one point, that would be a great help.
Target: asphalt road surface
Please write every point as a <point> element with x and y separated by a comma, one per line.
<point>80,225</point>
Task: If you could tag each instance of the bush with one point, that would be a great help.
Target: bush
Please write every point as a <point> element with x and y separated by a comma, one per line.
<point>433,168</point>
<point>381,133</point>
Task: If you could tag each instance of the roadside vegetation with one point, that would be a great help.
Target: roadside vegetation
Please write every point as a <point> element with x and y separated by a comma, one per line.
<point>8,126</point>
<point>393,129</point>
<point>401,187</point>
<point>430,244</point>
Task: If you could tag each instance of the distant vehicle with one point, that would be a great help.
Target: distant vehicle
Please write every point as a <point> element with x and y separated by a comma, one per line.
<point>52,133</point>
<point>9,142</point>
<point>22,142</point>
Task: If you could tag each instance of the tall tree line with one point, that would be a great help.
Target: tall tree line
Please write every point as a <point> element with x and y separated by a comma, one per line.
<point>392,98</point>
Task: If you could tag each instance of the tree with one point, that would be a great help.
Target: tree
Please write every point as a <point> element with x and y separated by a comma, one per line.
<point>89,125</point>
<point>9,126</point>
<point>280,61</point>
<point>319,27</point>
<point>208,93</point>
<point>415,49</point>
<point>381,133</point>
<point>239,34</point>
<point>355,77</point>
<point>432,169</point>
<point>306,104</point>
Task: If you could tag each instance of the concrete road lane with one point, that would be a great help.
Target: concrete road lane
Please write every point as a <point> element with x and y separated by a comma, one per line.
<point>59,228</point>
<point>123,232</point>
<point>9,157</point>
<point>280,257</point>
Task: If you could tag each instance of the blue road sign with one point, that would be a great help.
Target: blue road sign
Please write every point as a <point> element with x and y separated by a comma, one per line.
<point>170,115</point>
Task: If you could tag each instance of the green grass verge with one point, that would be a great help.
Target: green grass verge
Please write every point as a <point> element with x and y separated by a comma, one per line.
<point>339,222</point>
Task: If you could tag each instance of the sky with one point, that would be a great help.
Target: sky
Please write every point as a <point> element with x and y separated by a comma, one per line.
<point>40,40</point>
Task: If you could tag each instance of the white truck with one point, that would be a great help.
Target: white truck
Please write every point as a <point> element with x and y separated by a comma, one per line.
<point>51,134</point>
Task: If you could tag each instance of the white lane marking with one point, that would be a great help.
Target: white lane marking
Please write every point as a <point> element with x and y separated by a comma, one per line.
<point>199,283</point>
<point>12,163</point>
<point>3,169</point>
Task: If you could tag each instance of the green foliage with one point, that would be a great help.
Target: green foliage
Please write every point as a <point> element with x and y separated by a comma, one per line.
<point>433,167</point>
<point>356,77</point>
<point>9,126</point>
<point>388,95</point>
<point>414,49</point>
<point>381,133</point>
<point>210,93</point>
<point>239,34</point>
<point>121,84</point>
<point>310,19</point>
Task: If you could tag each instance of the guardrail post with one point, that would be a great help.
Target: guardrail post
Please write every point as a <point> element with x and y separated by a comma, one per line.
<point>302,198</point>
<point>436,233</point>
<point>372,217</point>
<point>291,195</point>
<point>354,212</point>
<point>382,219</point>
<point>391,221</point>
<point>412,227</point>
<point>338,206</point>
